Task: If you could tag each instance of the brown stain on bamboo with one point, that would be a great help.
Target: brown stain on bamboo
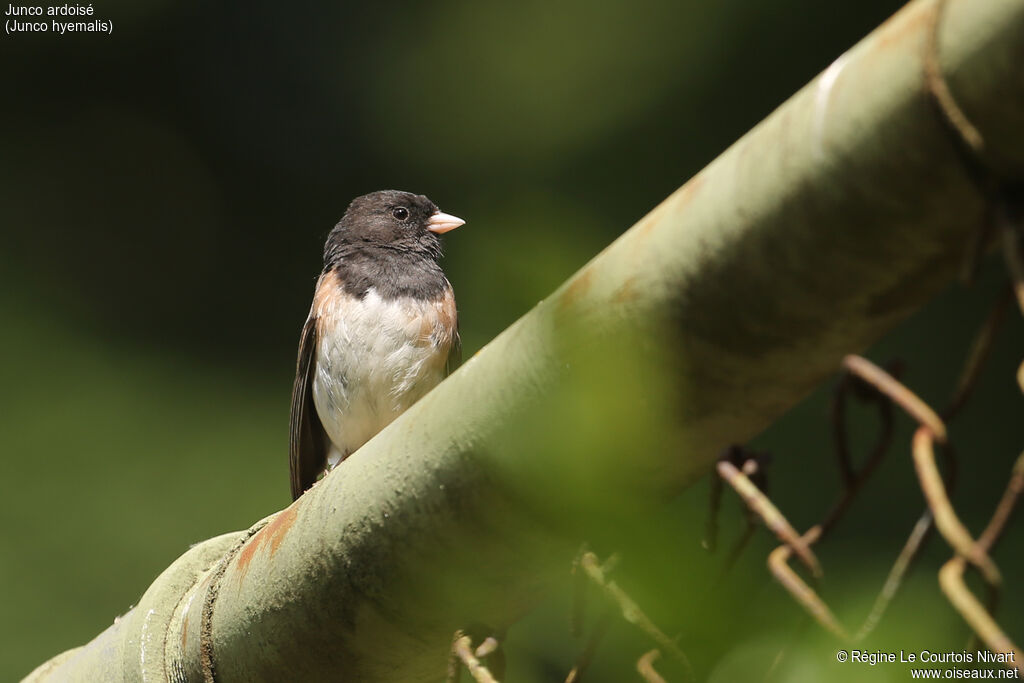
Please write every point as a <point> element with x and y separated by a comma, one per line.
<point>691,188</point>
<point>583,282</point>
<point>626,292</point>
<point>577,288</point>
<point>675,202</point>
<point>907,25</point>
<point>272,535</point>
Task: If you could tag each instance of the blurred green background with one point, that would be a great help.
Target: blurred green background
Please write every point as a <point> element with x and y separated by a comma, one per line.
<point>165,192</point>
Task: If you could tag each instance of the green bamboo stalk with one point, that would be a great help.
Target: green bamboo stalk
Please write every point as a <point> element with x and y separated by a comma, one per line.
<point>814,234</point>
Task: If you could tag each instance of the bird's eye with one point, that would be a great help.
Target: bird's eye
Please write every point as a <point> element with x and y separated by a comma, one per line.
<point>400,212</point>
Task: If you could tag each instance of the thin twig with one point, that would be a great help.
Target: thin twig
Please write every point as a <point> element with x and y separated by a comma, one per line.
<point>780,656</point>
<point>773,518</point>
<point>632,613</point>
<point>895,579</point>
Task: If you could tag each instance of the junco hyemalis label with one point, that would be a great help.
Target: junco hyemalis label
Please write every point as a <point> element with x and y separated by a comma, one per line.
<point>381,333</point>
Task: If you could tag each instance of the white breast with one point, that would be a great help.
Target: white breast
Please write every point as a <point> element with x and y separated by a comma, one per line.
<point>374,359</point>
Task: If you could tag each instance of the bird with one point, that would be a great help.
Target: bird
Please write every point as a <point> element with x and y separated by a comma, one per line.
<point>382,330</point>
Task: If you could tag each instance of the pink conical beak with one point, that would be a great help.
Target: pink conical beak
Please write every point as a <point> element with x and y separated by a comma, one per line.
<point>443,222</point>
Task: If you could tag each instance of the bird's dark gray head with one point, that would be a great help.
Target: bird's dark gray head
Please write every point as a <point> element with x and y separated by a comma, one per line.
<point>389,220</point>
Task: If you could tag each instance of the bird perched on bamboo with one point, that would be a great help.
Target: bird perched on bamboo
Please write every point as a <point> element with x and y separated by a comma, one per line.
<point>382,330</point>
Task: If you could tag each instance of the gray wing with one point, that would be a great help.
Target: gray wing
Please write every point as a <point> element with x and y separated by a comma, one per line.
<point>307,440</point>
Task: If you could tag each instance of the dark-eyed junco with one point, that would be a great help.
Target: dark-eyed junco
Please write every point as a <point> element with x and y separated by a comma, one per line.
<point>381,333</point>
